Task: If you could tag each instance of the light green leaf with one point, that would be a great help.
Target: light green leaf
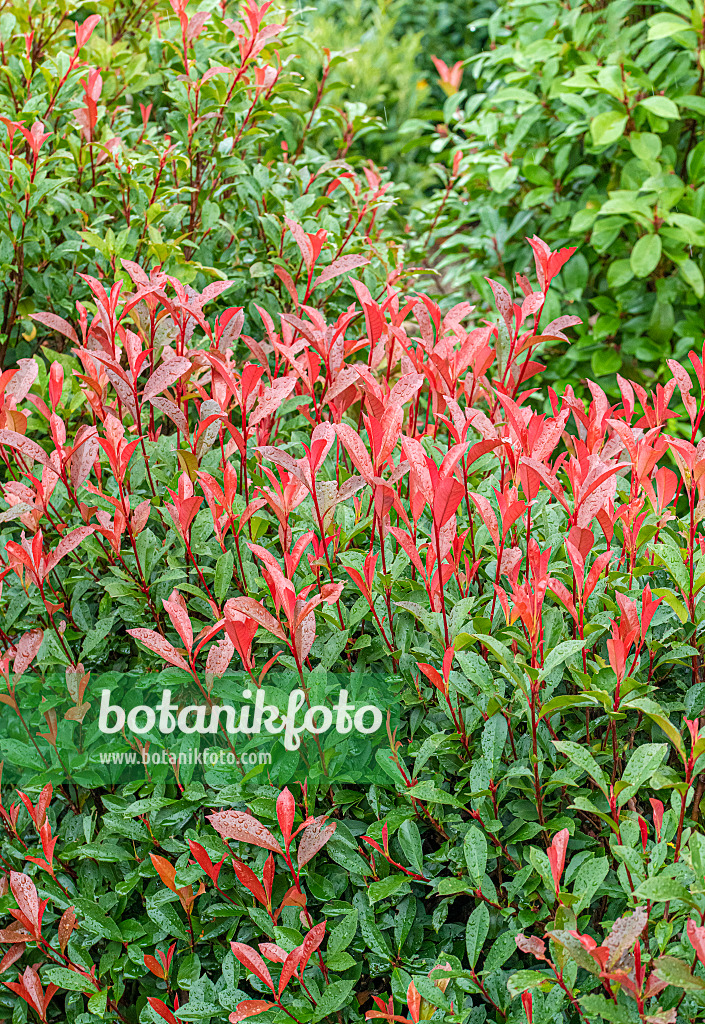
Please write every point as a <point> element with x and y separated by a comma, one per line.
<point>524,981</point>
<point>692,275</point>
<point>661,106</point>
<point>676,972</point>
<point>606,128</point>
<point>661,889</point>
<point>646,255</point>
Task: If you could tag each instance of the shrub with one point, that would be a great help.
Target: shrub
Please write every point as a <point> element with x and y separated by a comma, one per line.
<point>586,128</point>
<point>379,500</point>
<point>173,137</point>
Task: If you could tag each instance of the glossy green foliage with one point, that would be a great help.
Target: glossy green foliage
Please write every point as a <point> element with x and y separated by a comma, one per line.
<point>584,126</point>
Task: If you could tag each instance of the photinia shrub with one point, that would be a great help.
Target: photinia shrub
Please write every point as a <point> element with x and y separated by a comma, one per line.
<point>381,497</point>
<point>162,133</point>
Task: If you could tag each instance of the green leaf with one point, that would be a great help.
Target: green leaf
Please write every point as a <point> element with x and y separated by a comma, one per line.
<point>410,841</point>
<point>500,951</point>
<point>692,275</point>
<point>388,887</point>
<point>641,765</point>
<point>494,736</point>
<point>606,128</point>
<point>524,981</point>
<point>588,880</point>
<point>340,961</point>
<point>502,653</point>
<point>222,581</point>
<point>668,553</point>
<point>676,972</point>
<point>603,1007</point>
<point>95,636</point>
<point>371,934</point>
<point>428,748</point>
<point>605,361</point>
<point>661,889</point>
<point>343,934</point>
<point>646,255</point>
<point>451,886</point>
<point>661,106</point>
<point>333,998</point>
<point>475,850</point>
<point>476,932</point>
<point>98,1003</point>
<point>672,601</point>
<point>657,714</point>
<point>582,758</point>
<point>559,654</point>
<point>429,793</point>
<point>67,979</point>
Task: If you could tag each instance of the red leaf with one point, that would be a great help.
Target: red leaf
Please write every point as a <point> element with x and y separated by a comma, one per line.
<point>159,645</point>
<point>312,942</point>
<point>204,861</point>
<point>66,926</point>
<point>409,547</point>
<point>12,956</point>
<point>56,323</point>
<point>302,241</point>
<point>25,893</point>
<point>67,544</point>
<point>244,828</point>
<point>27,650</point>
<point>314,838</point>
<point>697,938</point>
<point>256,611</point>
<point>83,454</point>
<point>340,266</point>
<point>355,447</point>
<point>177,612</point>
<point>163,1010</point>
<point>249,1008</point>
<point>250,881</point>
<point>556,855</point>
<point>23,379</point>
<point>287,280</point>
<point>286,810</point>
<point>449,494</point>
<point>154,966</point>
<point>171,410</point>
<point>532,944</point>
<point>503,301</point>
<point>290,964</point>
<point>220,654</point>
<point>25,446</point>
<point>165,870</point>
<point>165,375</point>
<point>251,959</point>
<point>269,402</point>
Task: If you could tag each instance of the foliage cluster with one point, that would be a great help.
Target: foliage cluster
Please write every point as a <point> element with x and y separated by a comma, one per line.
<point>173,138</point>
<point>583,124</point>
<point>259,460</point>
<point>377,493</point>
